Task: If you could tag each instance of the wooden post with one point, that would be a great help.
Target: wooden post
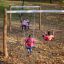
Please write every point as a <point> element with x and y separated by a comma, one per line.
<point>5,35</point>
<point>40,20</point>
<point>10,19</point>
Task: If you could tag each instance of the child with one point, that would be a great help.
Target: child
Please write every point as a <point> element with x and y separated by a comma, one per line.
<point>29,43</point>
<point>48,36</point>
<point>25,24</point>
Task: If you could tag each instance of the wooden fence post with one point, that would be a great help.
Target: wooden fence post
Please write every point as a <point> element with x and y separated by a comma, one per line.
<point>40,20</point>
<point>5,51</point>
<point>10,19</point>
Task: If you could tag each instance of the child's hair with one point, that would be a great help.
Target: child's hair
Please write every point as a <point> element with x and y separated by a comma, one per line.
<point>42,35</point>
<point>49,33</point>
<point>29,35</point>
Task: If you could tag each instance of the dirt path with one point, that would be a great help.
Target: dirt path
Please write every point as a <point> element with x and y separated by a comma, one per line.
<point>50,52</point>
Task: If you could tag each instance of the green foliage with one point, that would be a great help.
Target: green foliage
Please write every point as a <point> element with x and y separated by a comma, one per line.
<point>1,11</point>
<point>62,1</point>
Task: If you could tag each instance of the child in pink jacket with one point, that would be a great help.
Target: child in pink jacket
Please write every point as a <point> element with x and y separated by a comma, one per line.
<point>29,43</point>
<point>48,36</point>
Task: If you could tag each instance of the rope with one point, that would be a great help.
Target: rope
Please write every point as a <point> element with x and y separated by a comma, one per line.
<point>34,27</point>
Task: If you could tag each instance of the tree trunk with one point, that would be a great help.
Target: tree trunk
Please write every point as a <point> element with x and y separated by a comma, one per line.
<point>5,36</point>
<point>50,1</point>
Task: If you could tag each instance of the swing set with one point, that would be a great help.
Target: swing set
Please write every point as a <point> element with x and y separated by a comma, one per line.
<point>22,8</point>
<point>22,11</point>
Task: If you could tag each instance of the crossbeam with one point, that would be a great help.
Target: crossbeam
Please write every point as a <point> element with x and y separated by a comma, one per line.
<point>25,6</point>
<point>35,11</point>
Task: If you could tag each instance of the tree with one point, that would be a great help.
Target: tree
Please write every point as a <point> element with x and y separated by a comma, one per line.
<point>50,1</point>
<point>22,2</point>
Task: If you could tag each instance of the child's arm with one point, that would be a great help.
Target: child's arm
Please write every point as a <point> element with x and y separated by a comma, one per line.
<point>53,32</point>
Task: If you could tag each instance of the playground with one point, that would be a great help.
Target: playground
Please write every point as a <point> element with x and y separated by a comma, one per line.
<point>44,52</point>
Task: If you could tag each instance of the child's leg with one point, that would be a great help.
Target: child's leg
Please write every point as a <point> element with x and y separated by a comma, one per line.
<point>25,27</point>
<point>22,27</point>
<point>30,50</point>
